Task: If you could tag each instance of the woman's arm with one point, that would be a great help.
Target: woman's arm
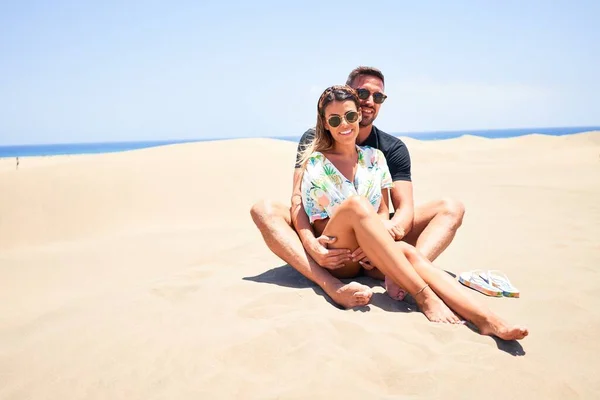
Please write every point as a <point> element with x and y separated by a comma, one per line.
<point>300,219</point>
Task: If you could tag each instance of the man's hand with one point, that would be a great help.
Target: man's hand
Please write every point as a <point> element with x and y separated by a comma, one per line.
<point>327,258</point>
<point>396,232</point>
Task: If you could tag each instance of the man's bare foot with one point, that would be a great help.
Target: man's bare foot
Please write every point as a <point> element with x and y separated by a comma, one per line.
<point>351,295</point>
<point>494,326</point>
<point>434,308</point>
<point>394,290</point>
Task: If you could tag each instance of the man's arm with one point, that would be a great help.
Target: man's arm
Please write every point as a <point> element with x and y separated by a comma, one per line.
<point>402,193</point>
<point>403,201</point>
<point>384,207</point>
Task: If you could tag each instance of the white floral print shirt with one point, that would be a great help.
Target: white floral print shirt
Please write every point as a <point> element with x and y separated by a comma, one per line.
<point>324,188</point>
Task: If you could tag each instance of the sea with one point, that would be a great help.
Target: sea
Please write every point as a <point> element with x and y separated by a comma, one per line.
<point>31,150</point>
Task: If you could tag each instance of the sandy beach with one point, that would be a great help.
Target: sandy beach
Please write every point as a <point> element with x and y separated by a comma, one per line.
<point>140,275</point>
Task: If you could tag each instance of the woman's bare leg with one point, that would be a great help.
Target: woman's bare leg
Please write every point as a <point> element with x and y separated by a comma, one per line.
<point>357,218</point>
<point>458,299</point>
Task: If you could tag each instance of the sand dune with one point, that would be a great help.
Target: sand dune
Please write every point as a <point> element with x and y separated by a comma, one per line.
<point>172,186</point>
<point>140,275</point>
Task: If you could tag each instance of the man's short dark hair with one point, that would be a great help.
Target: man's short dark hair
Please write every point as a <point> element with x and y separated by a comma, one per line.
<point>369,71</point>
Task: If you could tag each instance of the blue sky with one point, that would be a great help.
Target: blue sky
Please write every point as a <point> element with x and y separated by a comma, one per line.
<point>148,70</point>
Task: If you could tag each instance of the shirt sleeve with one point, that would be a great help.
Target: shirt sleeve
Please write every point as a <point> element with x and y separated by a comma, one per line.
<point>305,140</point>
<point>398,162</point>
<point>384,171</point>
<point>315,197</point>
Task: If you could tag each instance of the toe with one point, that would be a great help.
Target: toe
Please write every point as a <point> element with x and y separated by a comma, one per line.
<point>449,317</point>
<point>362,298</point>
<point>524,332</point>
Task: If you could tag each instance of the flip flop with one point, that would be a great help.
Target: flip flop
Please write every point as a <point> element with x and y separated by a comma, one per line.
<point>474,280</point>
<point>500,280</point>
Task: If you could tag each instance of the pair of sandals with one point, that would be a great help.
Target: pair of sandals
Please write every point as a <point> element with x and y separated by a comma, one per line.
<point>491,283</point>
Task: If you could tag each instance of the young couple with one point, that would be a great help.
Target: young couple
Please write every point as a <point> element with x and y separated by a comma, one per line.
<point>339,223</point>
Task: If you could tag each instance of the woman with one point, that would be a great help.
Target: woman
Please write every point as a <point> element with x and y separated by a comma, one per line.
<point>345,194</point>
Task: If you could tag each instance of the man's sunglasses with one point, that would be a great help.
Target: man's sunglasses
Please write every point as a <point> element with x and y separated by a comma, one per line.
<point>364,94</point>
<point>335,120</point>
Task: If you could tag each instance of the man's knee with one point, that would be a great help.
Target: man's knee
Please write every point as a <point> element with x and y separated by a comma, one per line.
<point>266,212</point>
<point>262,211</point>
<point>453,209</point>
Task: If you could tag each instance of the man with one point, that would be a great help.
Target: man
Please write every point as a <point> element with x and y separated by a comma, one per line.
<point>288,233</point>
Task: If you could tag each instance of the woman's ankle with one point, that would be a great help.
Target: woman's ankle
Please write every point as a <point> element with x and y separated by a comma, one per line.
<point>424,295</point>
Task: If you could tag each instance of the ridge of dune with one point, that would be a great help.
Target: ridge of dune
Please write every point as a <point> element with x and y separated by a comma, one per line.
<point>584,137</point>
<point>524,143</point>
<point>593,136</point>
<point>535,139</point>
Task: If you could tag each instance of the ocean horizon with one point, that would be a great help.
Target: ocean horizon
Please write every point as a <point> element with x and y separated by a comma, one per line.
<point>35,150</point>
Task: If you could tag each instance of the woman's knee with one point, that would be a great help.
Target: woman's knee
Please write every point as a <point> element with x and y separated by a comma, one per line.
<point>408,250</point>
<point>359,206</point>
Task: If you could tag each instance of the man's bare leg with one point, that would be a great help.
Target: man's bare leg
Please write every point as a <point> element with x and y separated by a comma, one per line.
<point>435,225</point>
<point>274,222</point>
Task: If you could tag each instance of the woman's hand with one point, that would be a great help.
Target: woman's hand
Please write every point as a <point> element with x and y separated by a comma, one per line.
<point>359,256</point>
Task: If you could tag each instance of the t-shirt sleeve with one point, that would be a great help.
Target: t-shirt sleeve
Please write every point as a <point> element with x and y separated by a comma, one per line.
<point>382,167</point>
<point>398,162</point>
<point>305,140</point>
<point>315,196</point>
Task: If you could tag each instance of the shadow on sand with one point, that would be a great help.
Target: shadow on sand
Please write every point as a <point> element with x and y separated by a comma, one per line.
<point>287,276</point>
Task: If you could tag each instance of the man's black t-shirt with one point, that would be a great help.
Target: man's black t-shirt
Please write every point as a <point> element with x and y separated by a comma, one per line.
<point>395,151</point>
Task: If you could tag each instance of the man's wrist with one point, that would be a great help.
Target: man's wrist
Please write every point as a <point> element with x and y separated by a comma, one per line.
<point>307,237</point>
<point>404,226</point>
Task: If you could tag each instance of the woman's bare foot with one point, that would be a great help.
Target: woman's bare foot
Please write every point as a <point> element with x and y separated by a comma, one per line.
<point>434,308</point>
<point>494,326</point>
<point>393,290</point>
<point>351,295</point>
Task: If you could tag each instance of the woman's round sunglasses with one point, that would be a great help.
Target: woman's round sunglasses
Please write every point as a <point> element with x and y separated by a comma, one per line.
<point>364,94</point>
<point>335,120</point>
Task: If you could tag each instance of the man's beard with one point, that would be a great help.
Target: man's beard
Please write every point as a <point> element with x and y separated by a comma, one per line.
<point>366,121</point>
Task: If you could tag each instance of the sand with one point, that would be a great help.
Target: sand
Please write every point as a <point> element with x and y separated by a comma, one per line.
<point>140,275</point>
